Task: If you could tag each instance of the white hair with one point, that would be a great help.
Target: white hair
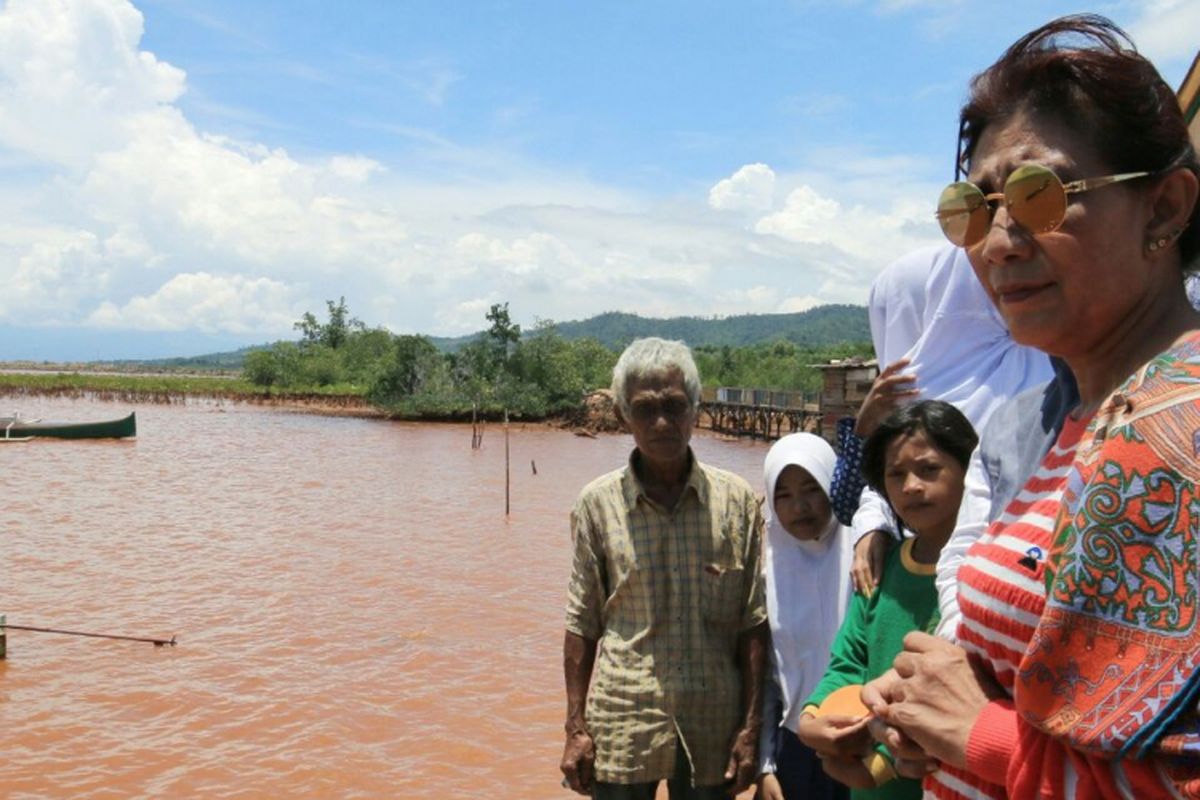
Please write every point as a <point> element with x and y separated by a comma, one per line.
<point>654,356</point>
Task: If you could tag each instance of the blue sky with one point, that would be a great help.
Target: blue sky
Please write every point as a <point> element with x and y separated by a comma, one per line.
<point>179,176</point>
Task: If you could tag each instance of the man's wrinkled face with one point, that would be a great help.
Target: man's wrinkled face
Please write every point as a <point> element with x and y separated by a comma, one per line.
<point>661,416</point>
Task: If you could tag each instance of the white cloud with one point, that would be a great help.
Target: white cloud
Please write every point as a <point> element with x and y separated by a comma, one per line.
<point>356,169</point>
<point>1166,29</point>
<point>204,302</point>
<point>138,219</point>
<point>751,188</point>
<point>873,234</point>
<point>71,77</point>
<point>467,315</point>
<point>53,274</point>
<point>793,305</point>
<point>525,255</point>
<point>806,217</point>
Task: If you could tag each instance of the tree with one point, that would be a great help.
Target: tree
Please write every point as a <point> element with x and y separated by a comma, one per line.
<point>503,334</point>
<point>261,368</point>
<point>414,359</point>
<point>365,353</point>
<point>332,334</point>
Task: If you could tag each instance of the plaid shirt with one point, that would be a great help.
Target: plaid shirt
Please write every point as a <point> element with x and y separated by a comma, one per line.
<point>665,594</point>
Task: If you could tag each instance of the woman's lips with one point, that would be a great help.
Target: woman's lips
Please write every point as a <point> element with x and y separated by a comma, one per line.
<point>1017,294</point>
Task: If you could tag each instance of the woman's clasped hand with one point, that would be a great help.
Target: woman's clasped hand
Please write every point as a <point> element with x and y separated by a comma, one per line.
<point>926,705</point>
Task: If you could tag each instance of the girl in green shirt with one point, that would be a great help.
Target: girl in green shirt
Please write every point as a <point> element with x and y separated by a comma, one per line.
<point>916,459</point>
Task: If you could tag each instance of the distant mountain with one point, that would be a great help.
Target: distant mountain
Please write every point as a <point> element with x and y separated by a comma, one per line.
<point>818,327</point>
<point>231,360</point>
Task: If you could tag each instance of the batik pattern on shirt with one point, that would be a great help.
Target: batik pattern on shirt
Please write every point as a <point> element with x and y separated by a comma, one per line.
<point>1112,670</point>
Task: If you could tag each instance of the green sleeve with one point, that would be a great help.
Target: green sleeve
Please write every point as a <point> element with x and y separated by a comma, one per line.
<point>848,656</point>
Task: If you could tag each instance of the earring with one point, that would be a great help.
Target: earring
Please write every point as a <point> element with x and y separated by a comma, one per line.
<point>1159,244</point>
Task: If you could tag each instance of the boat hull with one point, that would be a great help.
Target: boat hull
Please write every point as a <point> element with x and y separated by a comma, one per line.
<point>105,429</point>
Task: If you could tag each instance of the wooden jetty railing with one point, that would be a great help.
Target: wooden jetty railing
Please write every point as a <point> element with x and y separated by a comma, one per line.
<point>758,413</point>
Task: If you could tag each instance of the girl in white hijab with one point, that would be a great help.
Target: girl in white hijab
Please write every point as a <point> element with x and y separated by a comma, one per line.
<point>806,560</point>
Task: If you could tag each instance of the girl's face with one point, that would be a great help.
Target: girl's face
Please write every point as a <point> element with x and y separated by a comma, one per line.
<point>924,484</point>
<point>801,505</point>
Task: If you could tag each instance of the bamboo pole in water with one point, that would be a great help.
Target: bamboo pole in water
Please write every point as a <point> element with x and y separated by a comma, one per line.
<point>475,435</point>
<point>148,640</point>
<point>507,482</point>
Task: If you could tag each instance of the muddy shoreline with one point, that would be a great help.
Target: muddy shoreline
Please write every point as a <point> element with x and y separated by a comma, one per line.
<point>593,416</point>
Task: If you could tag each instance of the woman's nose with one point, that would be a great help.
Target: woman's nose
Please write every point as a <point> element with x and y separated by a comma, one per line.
<point>1005,239</point>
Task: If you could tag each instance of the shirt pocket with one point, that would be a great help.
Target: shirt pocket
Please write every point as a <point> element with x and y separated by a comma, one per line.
<point>722,590</point>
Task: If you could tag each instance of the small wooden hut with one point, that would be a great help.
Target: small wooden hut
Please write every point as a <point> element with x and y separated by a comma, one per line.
<point>844,386</point>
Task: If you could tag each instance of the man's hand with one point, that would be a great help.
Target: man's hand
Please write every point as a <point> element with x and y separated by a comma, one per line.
<point>890,388</point>
<point>869,554</point>
<point>579,758</point>
<point>743,760</point>
<point>768,787</point>
<point>579,753</point>
<point>848,771</point>
<point>836,735</point>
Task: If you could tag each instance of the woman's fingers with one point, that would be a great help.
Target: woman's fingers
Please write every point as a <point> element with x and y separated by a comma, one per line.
<point>870,552</point>
<point>935,700</point>
<point>894,367</point>
<point>889,388</point>
<point>878,693</point>
<point>915,767</point>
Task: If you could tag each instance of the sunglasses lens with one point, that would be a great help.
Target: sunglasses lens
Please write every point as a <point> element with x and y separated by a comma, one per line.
<point>963,213</point>
<point>1035,198</point>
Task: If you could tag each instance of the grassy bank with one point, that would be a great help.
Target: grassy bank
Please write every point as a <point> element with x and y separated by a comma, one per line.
<point>179,388</point>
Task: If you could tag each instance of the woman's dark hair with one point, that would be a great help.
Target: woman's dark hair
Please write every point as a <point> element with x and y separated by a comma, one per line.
<point>1085,72</point>
<point>943,425</point>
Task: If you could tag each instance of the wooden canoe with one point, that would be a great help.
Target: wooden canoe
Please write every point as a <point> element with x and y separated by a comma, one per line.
<point>20,428</point>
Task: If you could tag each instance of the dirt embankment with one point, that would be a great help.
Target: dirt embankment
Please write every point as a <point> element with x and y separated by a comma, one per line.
<point>593,416</point>
<point>597,414</point>
<point>330,405</point>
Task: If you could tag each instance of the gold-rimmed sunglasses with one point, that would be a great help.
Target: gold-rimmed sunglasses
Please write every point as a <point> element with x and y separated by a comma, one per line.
<point>1033,196</point>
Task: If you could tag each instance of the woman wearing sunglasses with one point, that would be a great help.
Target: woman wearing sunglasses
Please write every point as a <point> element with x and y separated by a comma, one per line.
<point>1077,669</point>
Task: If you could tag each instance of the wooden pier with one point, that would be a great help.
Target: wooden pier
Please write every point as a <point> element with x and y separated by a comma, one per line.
<point>758,413</point>
<point>766,414</point>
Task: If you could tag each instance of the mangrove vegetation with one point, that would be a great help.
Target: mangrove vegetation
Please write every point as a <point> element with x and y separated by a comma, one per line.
<point>340,362</point>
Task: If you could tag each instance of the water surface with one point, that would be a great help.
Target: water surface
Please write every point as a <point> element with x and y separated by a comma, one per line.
<point>356,616</point>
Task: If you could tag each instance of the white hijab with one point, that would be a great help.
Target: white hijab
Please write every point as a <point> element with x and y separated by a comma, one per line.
<point>928,306</point>
<point>808,583</point>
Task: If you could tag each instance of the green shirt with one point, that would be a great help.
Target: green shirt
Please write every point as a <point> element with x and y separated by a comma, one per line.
<point>872,635</point>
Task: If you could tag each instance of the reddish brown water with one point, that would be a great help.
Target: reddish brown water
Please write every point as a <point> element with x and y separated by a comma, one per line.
<point>356,617</point>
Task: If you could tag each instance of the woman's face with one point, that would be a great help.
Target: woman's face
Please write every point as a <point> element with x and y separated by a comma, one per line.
<point>1063,292</point>
<point>801,505</point>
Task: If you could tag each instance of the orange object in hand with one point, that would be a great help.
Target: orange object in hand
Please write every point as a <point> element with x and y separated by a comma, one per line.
<point>845,701</point>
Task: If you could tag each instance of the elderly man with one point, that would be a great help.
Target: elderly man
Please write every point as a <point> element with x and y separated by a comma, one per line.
<point>665,613</point>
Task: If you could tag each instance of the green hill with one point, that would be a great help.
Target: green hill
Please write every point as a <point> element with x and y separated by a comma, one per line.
<point>822,326</point>
<point>818,327</point>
